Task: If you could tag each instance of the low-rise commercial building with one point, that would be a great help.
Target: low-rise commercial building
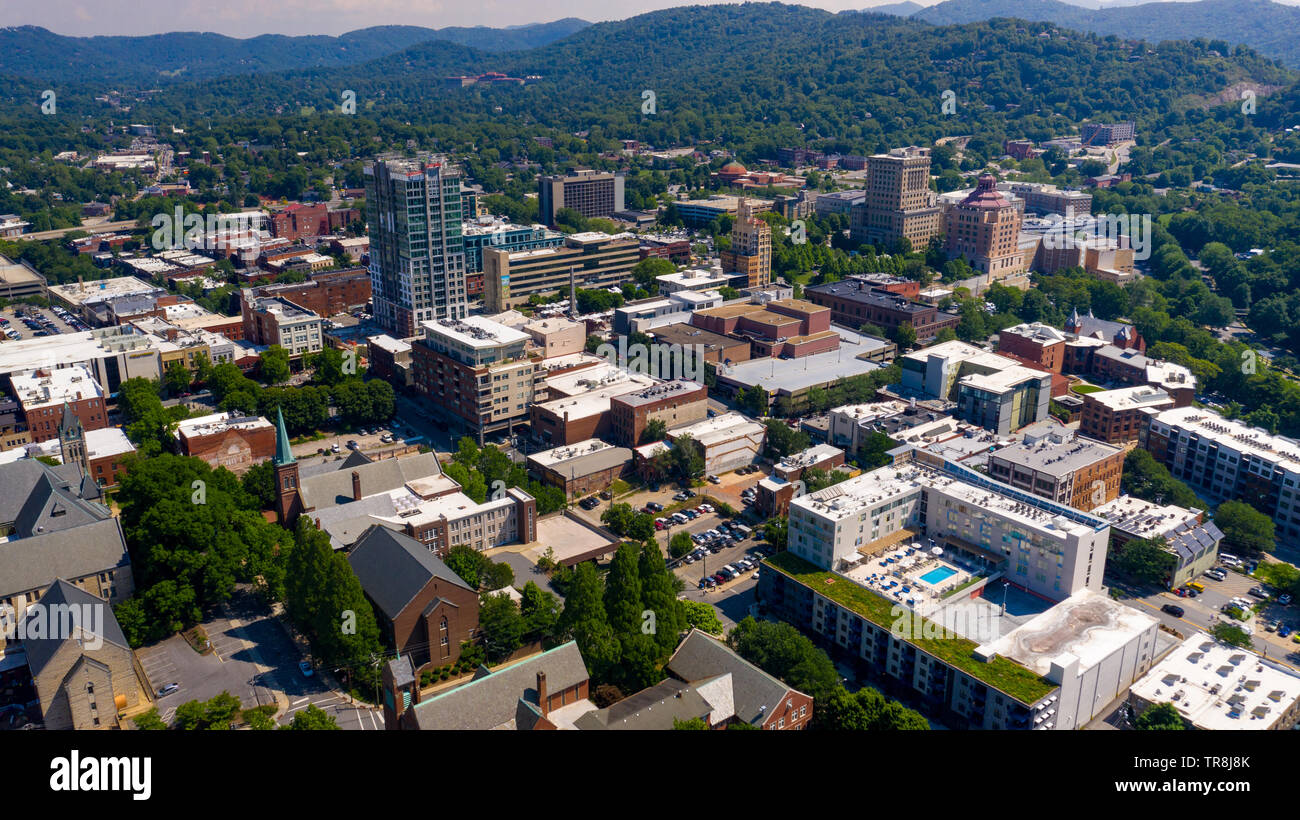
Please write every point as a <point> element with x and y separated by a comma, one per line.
<point>272,320</point>
<point>855,302</point>
<point>1118,416</point>
<point>1061,466</point>
<point>1217,686</point>
<point>44,394</point>
<point>1193,541</point>
<point>675,403</point>
<point>578,469</point>
<point>729,441</point>
<point>228,440</point>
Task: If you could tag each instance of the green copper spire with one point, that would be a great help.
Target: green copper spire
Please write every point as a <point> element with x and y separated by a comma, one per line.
<point>283,452</point>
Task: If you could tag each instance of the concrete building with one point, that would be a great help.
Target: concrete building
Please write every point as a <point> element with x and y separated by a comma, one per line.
<point>594,259</point>
<point>502,235</point>
<point>578,469</point>
<point>86,299</point>
<point>646,315</point>
<point>995,392</point>
<point>112,355</point>
<point>19,280</point>
<point>899,203</point>
<point>1216,686</point>
<point>1192,540</point>
<point>590,193</point>
<point>1048,549</point>
<point>750,254</point>
<point>417,254</point>
<point>698,213</point>
<point>1061,466</point>
<point>698,280</point>
<point>777,490</point>
<point>1098,133</point>
<point>857,355</point>
<point>1226,459</point>
<point>580,403</point>
<point>227,440</point>
<point>1118,416</point>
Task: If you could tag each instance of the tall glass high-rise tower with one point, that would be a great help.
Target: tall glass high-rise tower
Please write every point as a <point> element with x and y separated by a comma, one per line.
<point>417,254</point>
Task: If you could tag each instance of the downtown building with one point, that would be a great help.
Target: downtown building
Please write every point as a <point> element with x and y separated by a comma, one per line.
<point>1063,467</point>
<point>588,260</point>
<point>984,229</point>
<point>750,254</point>
<point>417,252</point>
<point>857,301</point>
<point>894,571</point>
<point>590,193</point>
<point>899,203</point>
<point>1224,459</point>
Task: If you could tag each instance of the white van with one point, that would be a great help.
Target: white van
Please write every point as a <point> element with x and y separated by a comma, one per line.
<point>743,530</point>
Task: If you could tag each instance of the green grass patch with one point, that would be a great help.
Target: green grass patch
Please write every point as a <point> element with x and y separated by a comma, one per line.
<point>1083,389</point>
<point>970,582</point>
<point>1002,674</point>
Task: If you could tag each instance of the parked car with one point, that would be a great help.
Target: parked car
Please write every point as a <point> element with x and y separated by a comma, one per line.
<point>1284,599</point>
<point>1172,609</point>
<point>1283,630</point>
<point>704,583</point>
<point>714,480</point>
<point>305,668</point>
<point>168,689</point>
<point>606,495</point>
<point>1259,592</point>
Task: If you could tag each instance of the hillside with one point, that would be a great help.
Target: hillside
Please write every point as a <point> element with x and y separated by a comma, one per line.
<point>752,76</point>
<point>1269,28</point>
<point>38,54</point>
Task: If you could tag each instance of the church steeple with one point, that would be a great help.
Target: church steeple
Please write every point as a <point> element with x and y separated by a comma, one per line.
<point>288,503</point>
<point>72,440</point>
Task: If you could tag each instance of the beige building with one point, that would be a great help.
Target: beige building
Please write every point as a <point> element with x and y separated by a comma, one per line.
<point>85,677</point>
<point>751,248</point>
<point>984,228</point>
<point>899,203</point>
<point>596,260</point>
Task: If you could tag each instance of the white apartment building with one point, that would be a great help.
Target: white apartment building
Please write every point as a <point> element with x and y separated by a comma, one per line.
<point>1047,548</point>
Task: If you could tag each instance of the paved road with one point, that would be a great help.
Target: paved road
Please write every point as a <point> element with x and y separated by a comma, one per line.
<point>105,227</point>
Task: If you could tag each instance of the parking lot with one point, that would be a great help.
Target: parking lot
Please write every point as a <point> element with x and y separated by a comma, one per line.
<point>1205,610</point>
<point>36,322</point>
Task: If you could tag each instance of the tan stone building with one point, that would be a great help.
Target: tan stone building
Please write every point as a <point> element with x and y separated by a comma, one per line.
<point>984,228</point>
<point>751,247</point>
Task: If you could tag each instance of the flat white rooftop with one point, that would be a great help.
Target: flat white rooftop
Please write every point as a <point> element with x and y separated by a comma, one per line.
<point>218,423</point>
<point>1217,686</point>
<point>475,332</point>
<point>1087,626</point>
<point>1131,398</point>
<point>90,292</point>
<point>48,388</point>
<point>1230,434</point>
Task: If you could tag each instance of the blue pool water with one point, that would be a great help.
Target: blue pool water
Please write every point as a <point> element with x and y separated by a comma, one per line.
<point>938,574</point>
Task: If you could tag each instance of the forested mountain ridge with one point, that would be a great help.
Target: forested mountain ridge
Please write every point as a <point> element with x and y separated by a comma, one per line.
<point>1269,28</point>
<point>38,54</point>
<point>760,75</point>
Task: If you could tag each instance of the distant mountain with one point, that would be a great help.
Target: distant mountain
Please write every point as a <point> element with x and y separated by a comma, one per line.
<point>39,54</point>
<point>904,9</point>
<point>1269,28</point>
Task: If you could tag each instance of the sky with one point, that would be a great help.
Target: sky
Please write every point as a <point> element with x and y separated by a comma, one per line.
<point>248,18</point>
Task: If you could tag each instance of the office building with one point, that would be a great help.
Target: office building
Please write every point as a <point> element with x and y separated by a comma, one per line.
<point>592,259</point>
<point>417,253</point>
<point>590,193</point>
<point>995,392</point>
<point>502,235</point>
<point>1193,541</point>
<point>674,403</point>
<point>582,468</point>
<point>984,229</point>
<point>1061,466</point>
<point>273,320</point>
<point>1118,416</point>
<point>855,302</point>
<point>1098,133</point>
<point>47,396</point>
<point>750,254</point>
<point>1217,686</point>
<point>476,369</point>
<point>899,203</point>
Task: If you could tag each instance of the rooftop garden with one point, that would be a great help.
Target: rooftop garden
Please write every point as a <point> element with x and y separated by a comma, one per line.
<point>1001,673</point>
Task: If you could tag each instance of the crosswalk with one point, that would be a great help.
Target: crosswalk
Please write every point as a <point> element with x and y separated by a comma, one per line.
<point>348,714</point>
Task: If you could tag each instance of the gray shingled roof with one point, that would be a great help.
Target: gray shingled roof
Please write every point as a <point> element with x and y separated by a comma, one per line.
<point>493,700</point>
<point>27,487</point>
<point>40,650</point>
<point>328,489</point>
<point>700,656</point>
<point>653,708</point>
<point>34,563</point>
<point>393,568</point>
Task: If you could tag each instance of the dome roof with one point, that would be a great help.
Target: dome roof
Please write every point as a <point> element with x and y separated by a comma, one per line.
<point>733,167</point>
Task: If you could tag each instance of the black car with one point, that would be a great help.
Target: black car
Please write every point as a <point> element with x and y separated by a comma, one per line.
<point>1176,611</point>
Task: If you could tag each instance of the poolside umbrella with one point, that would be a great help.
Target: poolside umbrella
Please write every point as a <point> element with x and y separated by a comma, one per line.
<point>937,550</point>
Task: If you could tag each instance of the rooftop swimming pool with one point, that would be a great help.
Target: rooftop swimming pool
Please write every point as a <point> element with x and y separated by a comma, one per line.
<point>938,575</point>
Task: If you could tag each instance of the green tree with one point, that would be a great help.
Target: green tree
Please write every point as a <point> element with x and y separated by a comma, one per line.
<point>273,364</point>
<point>497,575</point>
<point>659,595</point>
<point>692,725</point>
<point>782,439</point>
<point>776,531</point>
<point>540,610</point>
<point>680,544</point>
<point>1144,561</point>
<point>468,563</point>
<point>1245,529</point>
<point>177,378</point>
<point>1160,717</point>
<point>502,626</point>
<point>702,616</point>
<point>312,719</point>
<point>622,595</point>
<point>655,430</point>
<point>149,721</point>
<point>1232,635</point>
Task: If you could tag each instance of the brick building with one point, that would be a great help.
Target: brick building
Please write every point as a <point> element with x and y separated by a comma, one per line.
<point>227,440</point>
<point>1117,416</point>
<point>1058,465</point>
<point>425,610</point>
<point>44,394</point>
<point>855,302</point>
<point>674,403</point>
<point>327,293</point>
<point>578,469</point>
